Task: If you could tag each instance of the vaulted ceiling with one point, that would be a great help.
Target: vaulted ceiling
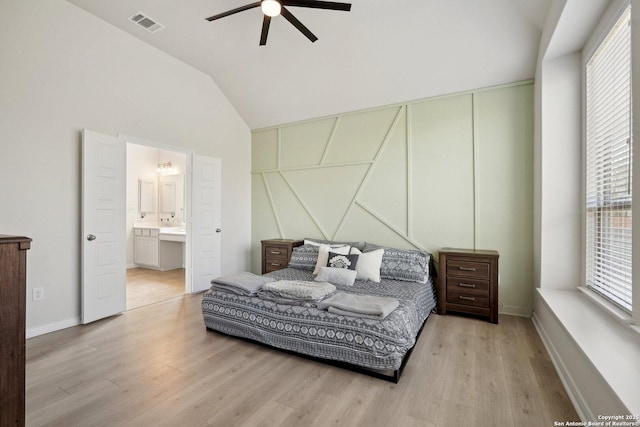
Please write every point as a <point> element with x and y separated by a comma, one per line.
<point>380,53</point>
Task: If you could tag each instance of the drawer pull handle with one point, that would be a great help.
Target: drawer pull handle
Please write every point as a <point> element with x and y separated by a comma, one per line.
<point>467,285</point>
<point>467,268</point>
<point>466,298</point>
<point>275,252</point>
<point>275,264</point>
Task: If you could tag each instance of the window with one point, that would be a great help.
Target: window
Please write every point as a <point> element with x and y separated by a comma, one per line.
<point>608,166</point>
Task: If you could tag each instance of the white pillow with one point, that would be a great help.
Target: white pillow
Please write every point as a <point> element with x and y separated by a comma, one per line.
<point>323,254</point>
<point>336,276</point>
<point>368,266</point>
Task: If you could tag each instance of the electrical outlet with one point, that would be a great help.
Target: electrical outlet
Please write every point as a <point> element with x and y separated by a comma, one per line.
<point>38,294</point>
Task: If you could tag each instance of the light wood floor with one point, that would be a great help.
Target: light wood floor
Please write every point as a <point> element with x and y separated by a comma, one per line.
<point>146,286</point>
<point>158,365</point>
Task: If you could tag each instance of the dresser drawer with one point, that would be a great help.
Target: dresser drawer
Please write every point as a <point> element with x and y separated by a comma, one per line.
<point>276,252</point>
<point>466,298</point>
<point>466,268</point>
<point>468,285</point>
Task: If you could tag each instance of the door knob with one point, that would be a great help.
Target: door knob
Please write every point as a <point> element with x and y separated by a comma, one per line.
<point>218,230</point>
<point>91,237</point>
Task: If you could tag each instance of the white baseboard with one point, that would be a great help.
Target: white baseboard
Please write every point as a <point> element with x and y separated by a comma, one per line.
<point>52,327</point>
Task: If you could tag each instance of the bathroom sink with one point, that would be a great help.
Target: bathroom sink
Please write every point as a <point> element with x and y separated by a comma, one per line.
<point>173,230</point>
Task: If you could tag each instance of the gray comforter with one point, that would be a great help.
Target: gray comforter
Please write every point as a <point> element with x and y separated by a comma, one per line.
<point>372,343</point>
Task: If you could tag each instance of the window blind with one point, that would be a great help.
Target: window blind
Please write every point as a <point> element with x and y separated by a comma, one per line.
<point>608,166</point>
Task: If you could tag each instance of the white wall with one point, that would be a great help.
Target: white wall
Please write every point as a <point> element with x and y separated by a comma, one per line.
<point>560,203</point>
<point>64,70</point>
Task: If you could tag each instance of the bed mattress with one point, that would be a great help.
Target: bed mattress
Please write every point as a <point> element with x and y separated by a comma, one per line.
<point>369,343</point>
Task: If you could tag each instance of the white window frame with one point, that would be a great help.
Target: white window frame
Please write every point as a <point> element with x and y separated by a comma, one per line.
<point>611,16</point>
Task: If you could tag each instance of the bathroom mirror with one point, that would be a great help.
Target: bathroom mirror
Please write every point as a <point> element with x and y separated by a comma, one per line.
<point>146,196</point>
<point>168,197</point>
<point>171,196</point>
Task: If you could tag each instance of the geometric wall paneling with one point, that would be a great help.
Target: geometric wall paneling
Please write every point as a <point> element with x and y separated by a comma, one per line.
<point>362,224</point>
<point>358,137</point>
<point>260,196</point>
<point>293,215</point>
<point>442,168</point>
<point>327,193</point>
<point>449,171</point>
<point>264,150</point>
<point>386,189</point>
<point>504,153</point>
<point>304,144</point>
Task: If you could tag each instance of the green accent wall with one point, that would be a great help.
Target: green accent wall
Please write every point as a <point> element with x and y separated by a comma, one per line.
<point>452,171</point>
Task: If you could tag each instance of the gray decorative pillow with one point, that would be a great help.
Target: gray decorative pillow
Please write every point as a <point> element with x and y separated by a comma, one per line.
<point>342,261</point>
<point>318,242</point>
<point>408,265</point>
<point>336,276</point>
<point>304,257</point>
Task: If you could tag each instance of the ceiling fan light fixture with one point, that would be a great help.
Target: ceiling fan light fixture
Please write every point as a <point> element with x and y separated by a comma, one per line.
<point>271,7</point>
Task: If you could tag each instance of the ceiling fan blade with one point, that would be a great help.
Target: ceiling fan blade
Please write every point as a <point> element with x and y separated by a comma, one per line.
<point>304,30</point>
<point>265,30</point>
<point>232,11</point>
<point>317,4</point>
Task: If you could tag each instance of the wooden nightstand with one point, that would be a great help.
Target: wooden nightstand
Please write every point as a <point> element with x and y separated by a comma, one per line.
<point>468,282</point>
<point>276,253</point>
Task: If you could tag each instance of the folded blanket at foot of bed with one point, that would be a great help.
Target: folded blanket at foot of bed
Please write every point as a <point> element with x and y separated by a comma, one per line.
<point>366,306</point>
<point>243,283</point>
<point>300,290</point>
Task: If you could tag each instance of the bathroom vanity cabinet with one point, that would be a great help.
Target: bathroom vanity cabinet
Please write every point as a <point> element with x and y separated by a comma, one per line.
<point>159,248</point>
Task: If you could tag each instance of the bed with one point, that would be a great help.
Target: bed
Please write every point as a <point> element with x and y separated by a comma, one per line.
<point>378,347</point>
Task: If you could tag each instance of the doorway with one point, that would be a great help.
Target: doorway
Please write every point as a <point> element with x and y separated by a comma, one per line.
<point>107,218</point>
<point>156,225</point>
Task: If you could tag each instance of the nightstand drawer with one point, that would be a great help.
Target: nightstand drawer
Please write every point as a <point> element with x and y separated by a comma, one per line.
<point>462,267</point>
<point>469,286</point>
<point>272,264</point>
<point>276,252</point>
<point>465,298</point>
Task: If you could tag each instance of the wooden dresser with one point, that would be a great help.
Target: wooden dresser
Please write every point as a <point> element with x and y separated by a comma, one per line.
<point>276,253</point>
<point>13,272</point>
<point>468,282</point>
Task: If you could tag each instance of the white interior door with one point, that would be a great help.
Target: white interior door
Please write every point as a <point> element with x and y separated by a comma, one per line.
<point>104,274</point>
<point>206,224</point>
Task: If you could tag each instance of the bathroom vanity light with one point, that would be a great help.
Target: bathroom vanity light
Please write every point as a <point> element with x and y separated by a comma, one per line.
<point>164,168</point>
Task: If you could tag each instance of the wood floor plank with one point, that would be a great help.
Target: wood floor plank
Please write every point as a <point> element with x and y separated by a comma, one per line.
<point>352,402</point>
<point>146,286</point>
<point>158,365</point>
<point>270,414</point>
<point>554,395</point>
<point>461,377</point>
<point>524,394</point>
<point>492,406</point>
<point>454,414</point>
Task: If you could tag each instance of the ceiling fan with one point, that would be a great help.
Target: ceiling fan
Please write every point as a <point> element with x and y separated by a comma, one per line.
<point>272,8</point>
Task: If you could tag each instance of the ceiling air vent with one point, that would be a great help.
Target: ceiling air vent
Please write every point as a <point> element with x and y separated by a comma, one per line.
<point>146,22</point>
